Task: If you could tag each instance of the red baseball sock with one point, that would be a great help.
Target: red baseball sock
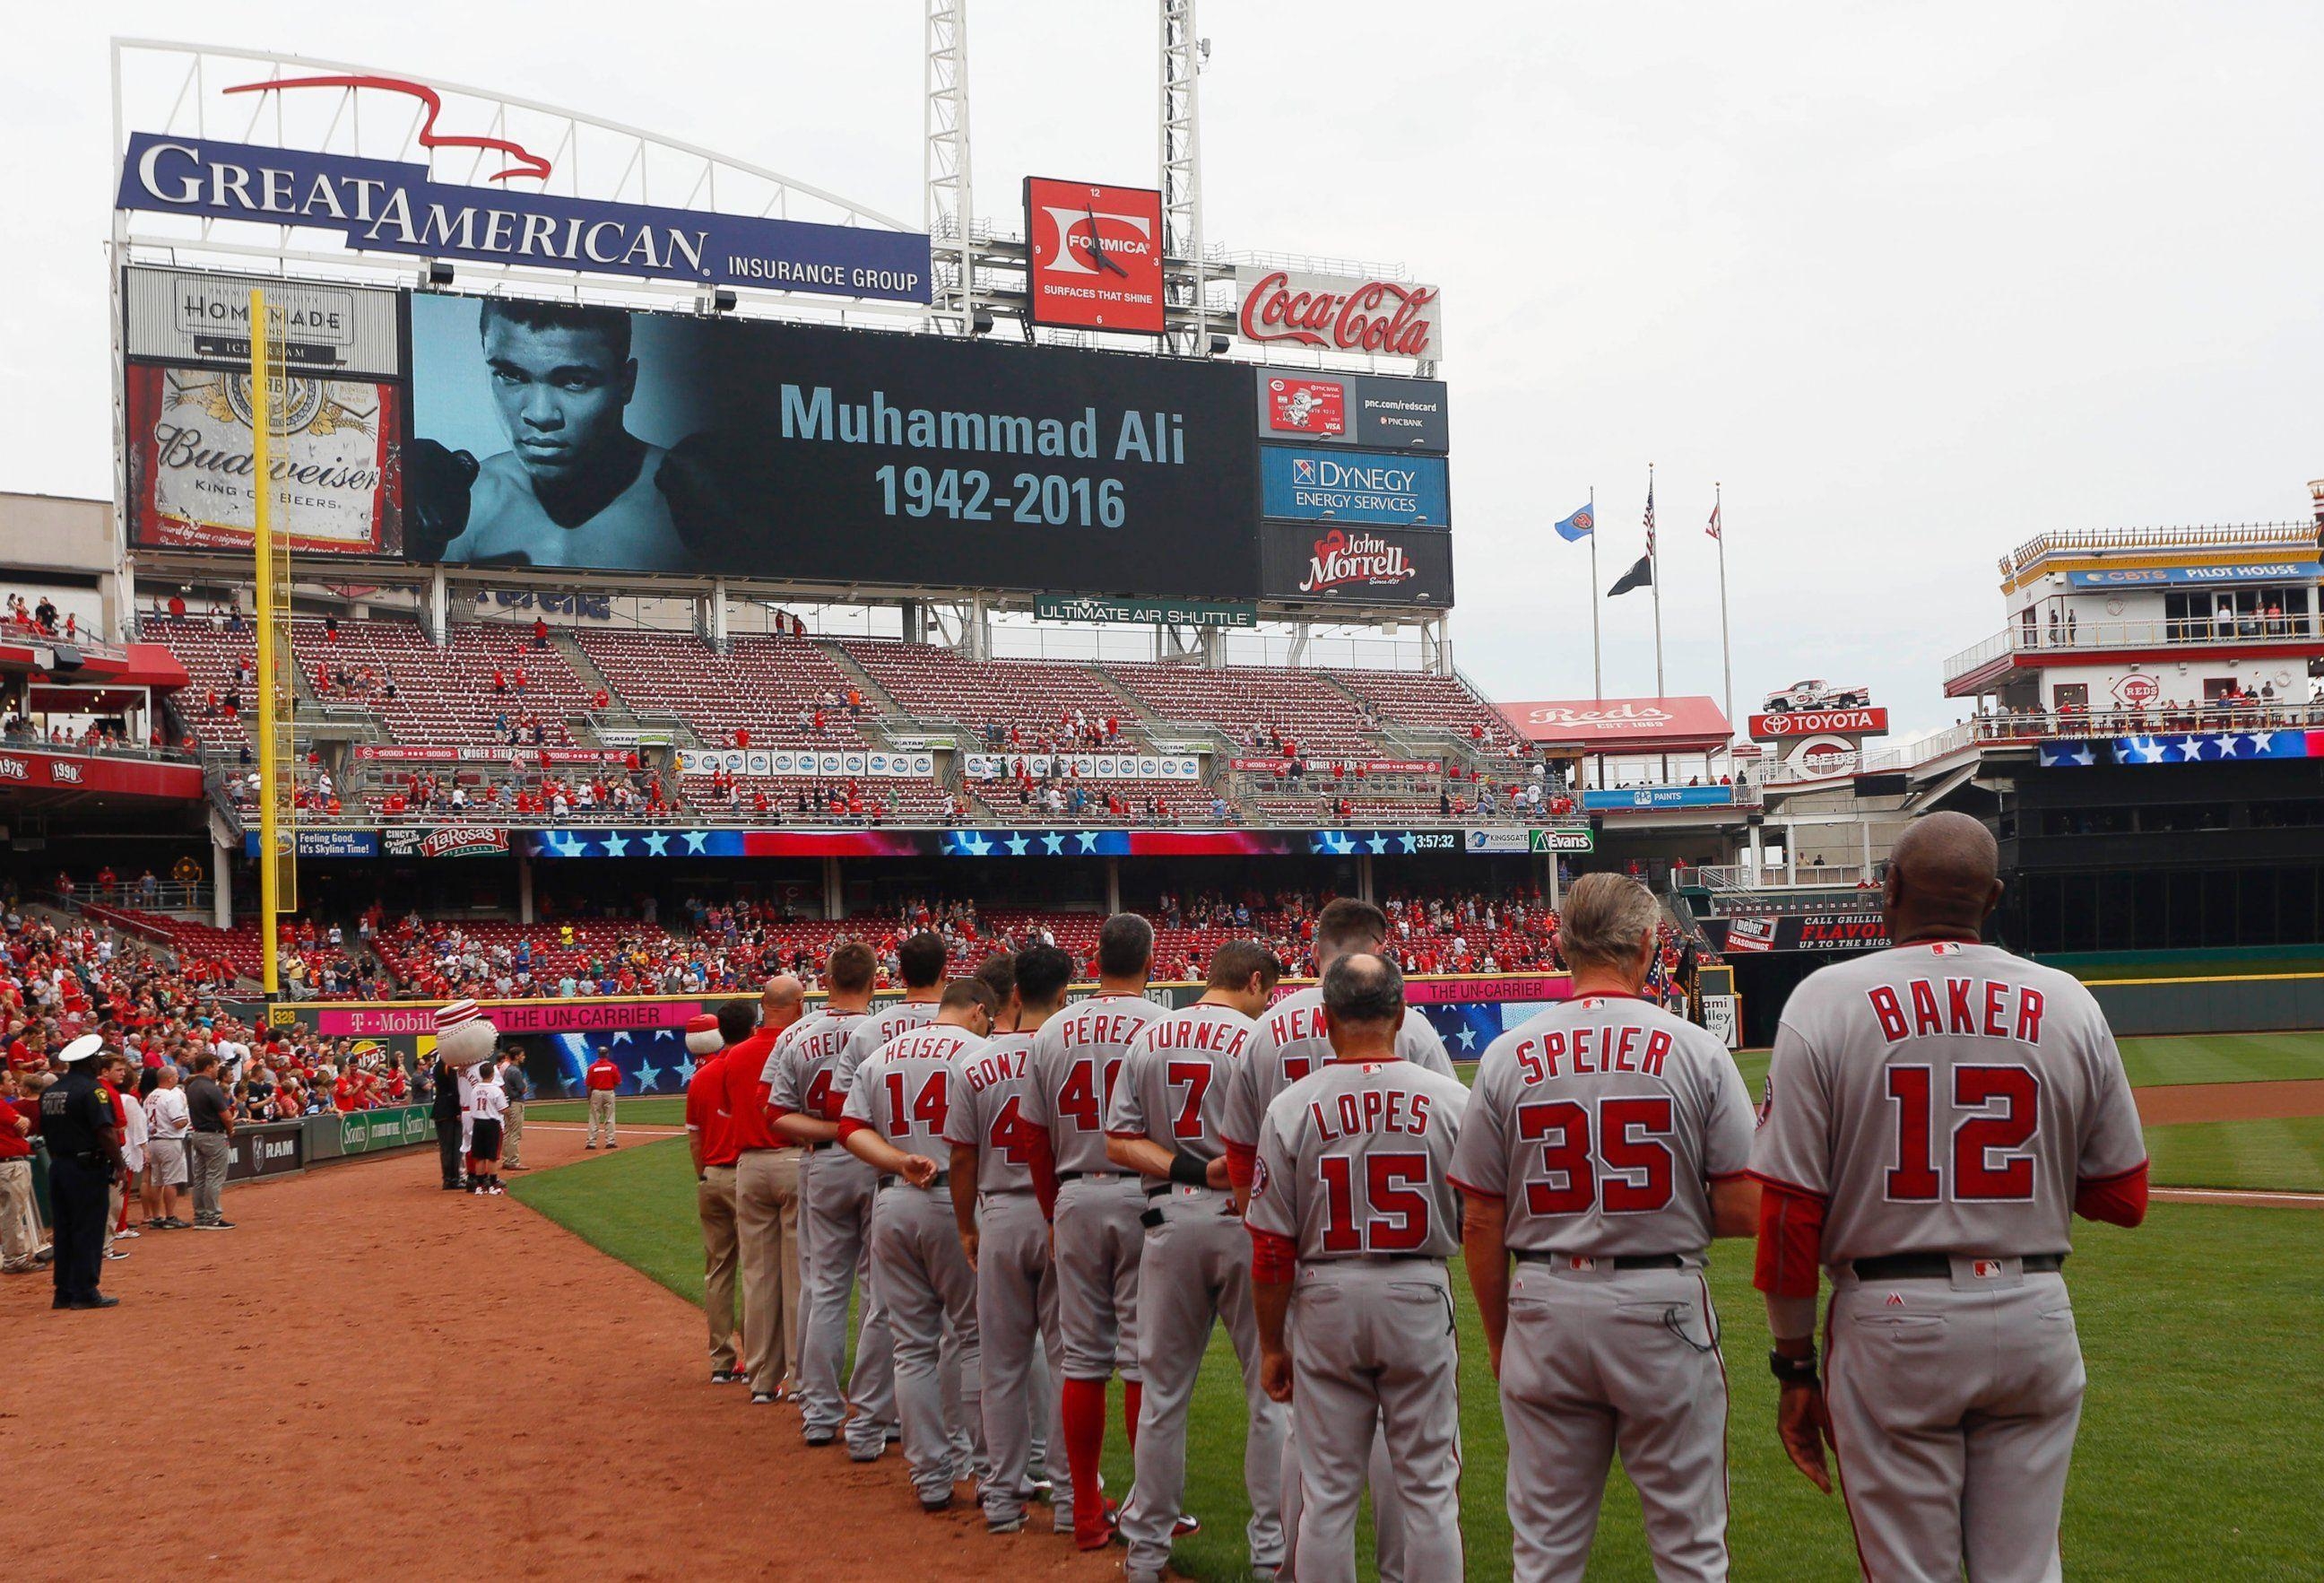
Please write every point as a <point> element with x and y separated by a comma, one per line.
<point>1083,1405</point>
<point>1133,1396</point>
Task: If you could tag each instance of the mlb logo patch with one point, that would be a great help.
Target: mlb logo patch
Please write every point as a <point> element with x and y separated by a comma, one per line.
<point>1895,1300</point>
<point>1984,1269</point>
<point>1576,1261</point>
<point>1303,470</point>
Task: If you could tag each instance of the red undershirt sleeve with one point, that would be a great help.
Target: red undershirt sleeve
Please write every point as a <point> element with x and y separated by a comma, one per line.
<point>1241,1158</point>
<point>2119,1200</point>
<point>1042,1161</point>
<point>1791,1241</point>
<point>1273,1258</point>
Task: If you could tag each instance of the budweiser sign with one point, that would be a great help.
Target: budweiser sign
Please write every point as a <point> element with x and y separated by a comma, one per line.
<point>1819,723</point>
<point>1340,313</point>
<point>1344,560</point>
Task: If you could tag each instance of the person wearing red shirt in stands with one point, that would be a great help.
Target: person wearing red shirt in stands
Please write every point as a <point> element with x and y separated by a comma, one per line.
<point>600,1081</point>
<point>711,1139</point>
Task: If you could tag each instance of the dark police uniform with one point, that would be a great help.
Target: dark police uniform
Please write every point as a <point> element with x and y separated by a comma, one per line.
<point>77,1125</point>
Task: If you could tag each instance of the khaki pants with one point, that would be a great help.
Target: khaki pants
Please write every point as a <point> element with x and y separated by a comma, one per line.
<point>713,1201</point>
<point>210,1154</point>
<point>601,1114</point>
<point>766,1229</point>
<point>511,1133</point>
<point>20,1233</point>
<point>114,1198</point>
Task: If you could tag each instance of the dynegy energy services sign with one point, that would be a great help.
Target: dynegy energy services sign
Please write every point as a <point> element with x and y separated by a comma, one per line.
<point>385,206</point>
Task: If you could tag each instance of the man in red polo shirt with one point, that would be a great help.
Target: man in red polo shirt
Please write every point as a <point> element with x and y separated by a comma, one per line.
<point>758,1150</point>
<point>712,1141</point>
<point>601,1079</point>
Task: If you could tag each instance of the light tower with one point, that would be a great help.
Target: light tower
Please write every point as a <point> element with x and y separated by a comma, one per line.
<point>1181,170</point>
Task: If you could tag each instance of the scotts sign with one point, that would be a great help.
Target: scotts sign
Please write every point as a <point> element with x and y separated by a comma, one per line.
<point>1819,723</point>
<point>1340,313</point>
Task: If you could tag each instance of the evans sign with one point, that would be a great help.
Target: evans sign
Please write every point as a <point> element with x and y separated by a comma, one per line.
<point>384,206</point>
<point>1819,723</point>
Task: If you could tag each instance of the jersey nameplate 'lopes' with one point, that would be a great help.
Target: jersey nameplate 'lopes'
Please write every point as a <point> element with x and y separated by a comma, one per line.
<point>1945,1097</point>
<point>1599,1123</point>
<point>1355,1162</point>
<point>1291,1043</point>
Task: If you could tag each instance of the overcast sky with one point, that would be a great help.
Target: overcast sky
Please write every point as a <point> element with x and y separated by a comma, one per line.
<point>1913,282</point>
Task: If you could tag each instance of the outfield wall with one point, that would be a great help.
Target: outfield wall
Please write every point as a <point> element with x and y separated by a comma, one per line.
<point>2258,1004</point>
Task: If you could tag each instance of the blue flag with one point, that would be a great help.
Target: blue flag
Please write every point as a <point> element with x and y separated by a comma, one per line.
<point>1577,526</point>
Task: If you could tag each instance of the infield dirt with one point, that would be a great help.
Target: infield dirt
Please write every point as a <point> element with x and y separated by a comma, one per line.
<point>371,1376</point>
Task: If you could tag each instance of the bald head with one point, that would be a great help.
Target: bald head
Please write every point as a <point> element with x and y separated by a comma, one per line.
<point>781,1001</point>
<point>1944,879</point>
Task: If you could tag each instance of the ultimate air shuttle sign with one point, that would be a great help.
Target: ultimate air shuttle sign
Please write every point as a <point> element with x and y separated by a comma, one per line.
<point>384,205</point>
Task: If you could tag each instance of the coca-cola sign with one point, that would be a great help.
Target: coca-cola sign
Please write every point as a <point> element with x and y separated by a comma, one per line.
<point>1340,313</point>
<point>1819,723</point>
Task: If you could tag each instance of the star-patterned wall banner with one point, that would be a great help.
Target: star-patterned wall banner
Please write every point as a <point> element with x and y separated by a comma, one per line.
<point>583,841</point>
<point>2181,748</point>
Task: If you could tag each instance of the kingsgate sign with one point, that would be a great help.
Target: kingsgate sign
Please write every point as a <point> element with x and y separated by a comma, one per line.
<point>1340,313</point>
<point>1819,723</point>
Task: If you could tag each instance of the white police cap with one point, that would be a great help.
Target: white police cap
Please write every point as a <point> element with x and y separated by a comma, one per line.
<point>82,1049</point>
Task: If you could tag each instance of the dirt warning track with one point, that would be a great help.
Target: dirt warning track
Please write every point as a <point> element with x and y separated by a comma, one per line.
<point>372,1376</point>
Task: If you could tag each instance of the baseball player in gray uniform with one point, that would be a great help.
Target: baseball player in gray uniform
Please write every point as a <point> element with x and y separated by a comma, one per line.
<point>1291,1043</point>
<point>1196,1266</point>
<point>1936,1114</point>
<point>1607,1142</point>
<point>898,1107</point>
<point>804,1096</point>
<point>1094,1206</point>
<point>1007,1239</point>
<point>1353,1215</point>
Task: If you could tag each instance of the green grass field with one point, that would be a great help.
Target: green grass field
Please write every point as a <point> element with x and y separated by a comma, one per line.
<point>2198,1327</point>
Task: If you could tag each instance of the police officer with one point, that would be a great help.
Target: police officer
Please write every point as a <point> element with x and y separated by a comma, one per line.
<point>84,1151</point>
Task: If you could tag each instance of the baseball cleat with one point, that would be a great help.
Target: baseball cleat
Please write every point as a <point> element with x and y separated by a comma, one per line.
<point>1005,1524</point>
<point>864,1454</point>
<point>936,1507</point>
<point>820,1437</point>
<point>727,1376</point>
<point>1186,1523</point>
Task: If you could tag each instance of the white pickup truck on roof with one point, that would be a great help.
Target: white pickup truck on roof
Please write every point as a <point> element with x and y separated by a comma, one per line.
<point>1817,695</point>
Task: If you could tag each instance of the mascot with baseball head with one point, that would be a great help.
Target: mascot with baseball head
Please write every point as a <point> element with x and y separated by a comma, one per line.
<point>464,1041</point>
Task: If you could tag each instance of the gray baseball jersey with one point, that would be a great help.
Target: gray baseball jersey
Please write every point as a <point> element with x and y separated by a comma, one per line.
<point>1353,1169</point>
<point>1291,1043</point>
<point>1945,1098</point>
<point>1598,1123</point>
<point>874,1030</point>
<point>1173,1084</point>
<point>906,1091</point>
<point>988,1112</point>
<point>1948,1098</point>
<point>1075,1056</point>
<point>802,1065</point>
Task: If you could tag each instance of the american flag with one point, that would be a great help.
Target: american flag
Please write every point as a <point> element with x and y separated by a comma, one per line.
<point>1650,516</point>
<point>1713,529</point>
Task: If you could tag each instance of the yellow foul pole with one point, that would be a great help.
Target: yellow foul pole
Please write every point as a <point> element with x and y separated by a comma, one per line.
<point>277,877</point>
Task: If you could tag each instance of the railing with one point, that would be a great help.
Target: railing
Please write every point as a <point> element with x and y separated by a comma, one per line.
<point>34,742</point>
<point>2096,636</point>
<point>2238,536</point>
<point>1845,877</point>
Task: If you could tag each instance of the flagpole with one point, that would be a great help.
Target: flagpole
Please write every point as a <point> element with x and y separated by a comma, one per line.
<point>1726,655</point>
<point>1597,661</point>
<point>1655,581</point>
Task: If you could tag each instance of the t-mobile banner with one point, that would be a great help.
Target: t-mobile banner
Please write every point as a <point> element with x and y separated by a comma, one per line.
<point>1356,566</point>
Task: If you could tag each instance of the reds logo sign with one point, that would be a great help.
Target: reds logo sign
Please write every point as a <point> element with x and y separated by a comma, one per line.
<point>1340,313</point>
<point>527,162</point>
<point>1093,255</point>
<point>2136,692</point>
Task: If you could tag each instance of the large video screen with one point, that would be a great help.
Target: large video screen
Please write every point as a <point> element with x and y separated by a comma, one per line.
<point>560,435</point>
